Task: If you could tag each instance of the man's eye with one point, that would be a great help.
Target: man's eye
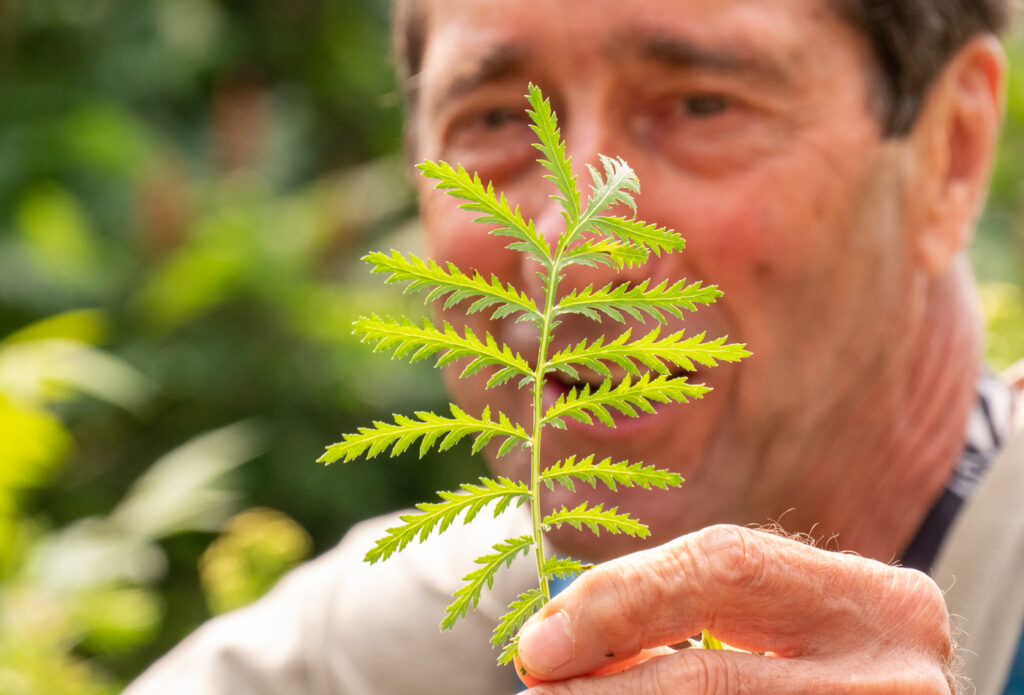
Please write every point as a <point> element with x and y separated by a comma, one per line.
<point>491,139</point>
<point>704,105</point>
<point>498,118</point>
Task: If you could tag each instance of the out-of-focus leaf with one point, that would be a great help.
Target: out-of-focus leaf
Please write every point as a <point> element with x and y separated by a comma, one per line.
<point>107,138</point>
<point>58,234</point>
<point>185,490</point>
<point>37,637</point>
<point>204,273</point>
<point>94,552</point>
<point>115,121</point>
<point>33,444</point>
<point>255,549</point>
<point>89,326</point>
<point>115,619</point>
<point>192,29</point>
<point>18,537</point>
<point>1003,306</point>
<point>43,371</point>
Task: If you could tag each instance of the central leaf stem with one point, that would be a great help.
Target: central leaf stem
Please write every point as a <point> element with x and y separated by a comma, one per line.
<point>547,330</point>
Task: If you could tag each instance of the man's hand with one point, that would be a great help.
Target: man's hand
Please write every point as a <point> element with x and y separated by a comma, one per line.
<point>819,622</point>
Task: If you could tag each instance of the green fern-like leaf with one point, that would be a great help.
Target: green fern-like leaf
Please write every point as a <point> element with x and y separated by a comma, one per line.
<point>646,367</point>
<point>610,252</point>
<point>597,356</point>
<point>520,610</point>
<point>611,474</point>
<point>656,239</point>
<point>428,427</point>
<point>564,567</point>
<point>616,186</point>
<point>647,353</point>
<point>493,208</point>
<point>596,518</point>
<point>452,285</point>
<point>438,516</point>
<point>555,160</point>
<point>638,301</point>
<point>416,342</point>
<point>469,594</point>
<point>627,397</point>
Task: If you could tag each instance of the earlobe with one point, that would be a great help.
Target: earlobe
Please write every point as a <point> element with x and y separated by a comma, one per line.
<point>956,138</point>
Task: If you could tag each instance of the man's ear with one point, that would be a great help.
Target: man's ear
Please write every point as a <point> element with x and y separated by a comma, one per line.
<point>953,145</point>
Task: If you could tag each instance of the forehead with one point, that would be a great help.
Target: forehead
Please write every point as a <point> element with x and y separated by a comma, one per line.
<point>470,40</point>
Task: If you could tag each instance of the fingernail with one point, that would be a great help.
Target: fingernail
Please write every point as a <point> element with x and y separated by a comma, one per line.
<point>546,644</point>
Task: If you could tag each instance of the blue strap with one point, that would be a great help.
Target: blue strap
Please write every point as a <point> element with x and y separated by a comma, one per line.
<point>1015,685</point>
<point>557,585</point>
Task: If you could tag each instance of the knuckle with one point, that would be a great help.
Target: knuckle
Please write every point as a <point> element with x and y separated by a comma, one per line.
<point>731,555</point>
<point>925,606</point>
<point>921,585</point>
<point>925,634</point>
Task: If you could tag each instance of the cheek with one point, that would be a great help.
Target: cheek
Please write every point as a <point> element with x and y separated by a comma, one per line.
<point>767,244</point>
<point>751,245</point>
<point>804,269</point>
<point>453,236</point>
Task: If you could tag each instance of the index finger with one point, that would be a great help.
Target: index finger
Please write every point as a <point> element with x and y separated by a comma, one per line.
<point>755,590</point>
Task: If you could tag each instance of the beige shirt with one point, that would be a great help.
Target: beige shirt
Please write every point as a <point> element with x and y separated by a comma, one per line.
<point>981,568</point>
<point>341,627</point>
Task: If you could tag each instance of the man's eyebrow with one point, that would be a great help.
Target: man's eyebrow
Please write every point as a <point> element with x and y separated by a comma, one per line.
<point>681,53</point>
<point>502,61</point>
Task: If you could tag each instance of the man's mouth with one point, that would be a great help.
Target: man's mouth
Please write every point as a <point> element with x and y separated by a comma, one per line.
<point>566,383</point>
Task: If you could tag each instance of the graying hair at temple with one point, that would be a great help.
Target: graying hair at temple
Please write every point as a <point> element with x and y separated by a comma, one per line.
<point>912,41</point>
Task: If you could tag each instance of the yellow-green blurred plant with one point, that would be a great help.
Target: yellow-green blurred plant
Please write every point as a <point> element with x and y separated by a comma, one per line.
<point>42,365</point>
<point>255,549</point>
<point>1003,307</point>
<point>87,588</point>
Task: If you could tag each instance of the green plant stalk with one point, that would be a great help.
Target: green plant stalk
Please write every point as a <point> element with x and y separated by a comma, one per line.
<point>550,292</point>
<point>535,445</point>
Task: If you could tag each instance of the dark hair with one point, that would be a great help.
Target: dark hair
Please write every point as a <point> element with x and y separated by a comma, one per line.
<point>912,41</point>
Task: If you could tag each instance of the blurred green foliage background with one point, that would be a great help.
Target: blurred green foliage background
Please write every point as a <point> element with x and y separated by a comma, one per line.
<point>185,189</point>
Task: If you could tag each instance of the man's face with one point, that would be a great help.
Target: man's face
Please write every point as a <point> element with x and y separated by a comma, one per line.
<point>750,126</point>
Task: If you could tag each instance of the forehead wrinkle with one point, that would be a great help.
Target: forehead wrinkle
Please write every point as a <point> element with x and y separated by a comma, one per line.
<point>682,53</point>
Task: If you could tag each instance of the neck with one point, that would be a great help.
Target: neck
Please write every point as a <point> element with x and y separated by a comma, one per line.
<point>908,437</point>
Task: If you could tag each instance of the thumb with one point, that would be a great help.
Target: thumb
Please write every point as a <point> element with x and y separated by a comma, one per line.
<point>546,643</point>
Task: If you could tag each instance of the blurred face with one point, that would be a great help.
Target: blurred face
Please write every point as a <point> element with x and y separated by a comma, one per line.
<point>749,124</point>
